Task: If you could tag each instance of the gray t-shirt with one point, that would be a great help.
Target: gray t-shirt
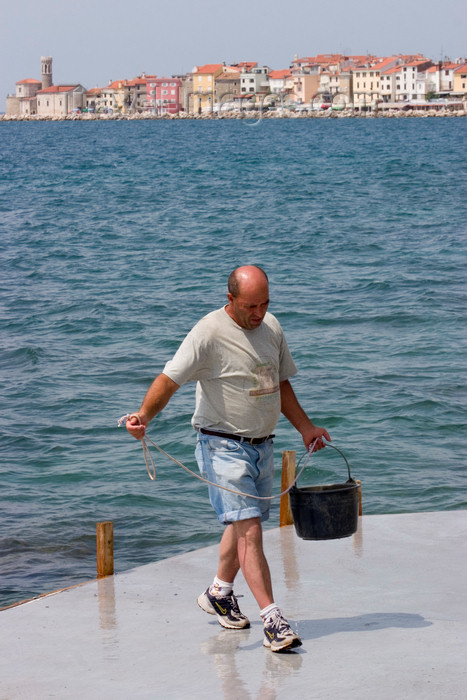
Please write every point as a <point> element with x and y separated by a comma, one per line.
<point>238,373</point>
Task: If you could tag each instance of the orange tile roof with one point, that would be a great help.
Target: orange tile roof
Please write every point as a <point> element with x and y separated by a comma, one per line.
<point>246,64</point>
<point>412,57</point>
<point>463,67</point>
<point>394,69</point>
<point>384,62</point>
<point>209,68</point>
<point>57,88</point>
<point>231,75</point>
<point>358,58</point>
<point>115,85</point>
<point>279,74</point>
<point>444,66</point>
<point>327,59</point>
<point>29,81</point>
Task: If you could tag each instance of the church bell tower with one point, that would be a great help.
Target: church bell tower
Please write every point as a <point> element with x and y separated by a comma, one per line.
<point>46,63</point>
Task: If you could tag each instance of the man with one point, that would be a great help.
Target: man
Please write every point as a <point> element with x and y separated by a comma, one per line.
<point>240,360</point>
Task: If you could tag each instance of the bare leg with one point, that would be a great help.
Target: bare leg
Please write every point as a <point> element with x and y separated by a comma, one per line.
<point>228,555</point>
<point>248,535</point>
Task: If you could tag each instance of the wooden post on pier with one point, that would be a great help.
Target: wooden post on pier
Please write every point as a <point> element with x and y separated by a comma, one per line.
<point>288,475</point>
<point>359,496</point>
<point>105,548</point>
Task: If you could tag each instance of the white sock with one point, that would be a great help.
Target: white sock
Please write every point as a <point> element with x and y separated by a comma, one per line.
<point>220,588</point>
<point>269,610</point>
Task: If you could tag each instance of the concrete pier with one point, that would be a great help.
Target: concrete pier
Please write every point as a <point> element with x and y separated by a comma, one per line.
<point>382,615</point>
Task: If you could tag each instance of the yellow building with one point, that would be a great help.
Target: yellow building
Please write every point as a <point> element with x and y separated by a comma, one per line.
<point>114,96</point>
<point>367,81</point>
<point>204,82</point>
<point>460,80</point>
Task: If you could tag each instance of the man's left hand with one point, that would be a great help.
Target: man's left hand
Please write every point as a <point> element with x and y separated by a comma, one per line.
<point>314,432</point>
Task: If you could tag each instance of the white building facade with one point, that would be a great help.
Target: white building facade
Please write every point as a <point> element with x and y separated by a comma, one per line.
<point>60,100</point>
<point>254,80</point>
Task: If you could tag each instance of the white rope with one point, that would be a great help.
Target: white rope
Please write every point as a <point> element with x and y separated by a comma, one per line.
<point>151,466</point>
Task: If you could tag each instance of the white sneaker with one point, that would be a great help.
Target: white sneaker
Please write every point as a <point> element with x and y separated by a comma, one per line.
<point>278,635</point>
<point>226,608</point>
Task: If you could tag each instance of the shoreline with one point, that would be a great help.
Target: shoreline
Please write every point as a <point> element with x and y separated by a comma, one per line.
<point>249,115</point>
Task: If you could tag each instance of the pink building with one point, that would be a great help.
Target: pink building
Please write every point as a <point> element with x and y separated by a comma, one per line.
<point>151,93</point>
<point>167,95</point>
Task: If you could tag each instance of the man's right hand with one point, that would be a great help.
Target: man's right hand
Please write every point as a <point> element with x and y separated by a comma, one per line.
<point>136,426</point>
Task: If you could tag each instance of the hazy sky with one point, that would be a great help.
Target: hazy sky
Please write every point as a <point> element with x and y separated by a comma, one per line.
<point>94,41</point>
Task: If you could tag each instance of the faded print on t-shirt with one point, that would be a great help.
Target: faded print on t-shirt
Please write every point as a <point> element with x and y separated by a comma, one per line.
<point>265,379</point>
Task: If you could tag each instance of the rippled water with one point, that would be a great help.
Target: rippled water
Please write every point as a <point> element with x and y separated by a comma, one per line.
<point>116,237</point>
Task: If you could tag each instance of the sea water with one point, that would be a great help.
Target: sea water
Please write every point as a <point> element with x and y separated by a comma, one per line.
<point>116,237</point>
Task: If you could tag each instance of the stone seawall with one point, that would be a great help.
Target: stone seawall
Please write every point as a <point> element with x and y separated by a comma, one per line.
<point>253,115</point>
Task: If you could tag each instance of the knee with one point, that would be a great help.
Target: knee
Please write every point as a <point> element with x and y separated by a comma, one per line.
<point>249,530</point>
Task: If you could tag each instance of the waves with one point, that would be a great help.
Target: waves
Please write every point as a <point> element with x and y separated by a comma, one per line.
<point>116,238</point>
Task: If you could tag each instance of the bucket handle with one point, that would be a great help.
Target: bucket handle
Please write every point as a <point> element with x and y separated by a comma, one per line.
<point>337,450</point>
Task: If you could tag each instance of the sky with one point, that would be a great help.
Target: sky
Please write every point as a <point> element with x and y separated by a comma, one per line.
<point>95,41</point>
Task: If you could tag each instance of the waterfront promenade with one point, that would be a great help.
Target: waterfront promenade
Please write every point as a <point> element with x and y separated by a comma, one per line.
<point>382,614</point>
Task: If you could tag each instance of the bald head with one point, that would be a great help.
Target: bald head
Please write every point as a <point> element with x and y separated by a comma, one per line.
<point>249,274</point>
<point>248,296</point>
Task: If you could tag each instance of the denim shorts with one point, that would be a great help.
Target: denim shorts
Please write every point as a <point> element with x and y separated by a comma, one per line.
<point>241,467</point>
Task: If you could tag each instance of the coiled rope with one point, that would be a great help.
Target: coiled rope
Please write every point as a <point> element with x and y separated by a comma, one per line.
<point>151,465</point>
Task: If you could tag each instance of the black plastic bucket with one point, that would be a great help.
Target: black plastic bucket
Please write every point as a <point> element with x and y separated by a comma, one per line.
<point>326,512</point>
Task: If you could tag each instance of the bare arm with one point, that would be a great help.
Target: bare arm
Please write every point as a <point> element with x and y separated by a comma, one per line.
<point>157,397</point>
<point>299,419</point>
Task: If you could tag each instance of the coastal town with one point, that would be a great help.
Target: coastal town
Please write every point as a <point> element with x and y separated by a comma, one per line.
<point>313,85</point>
